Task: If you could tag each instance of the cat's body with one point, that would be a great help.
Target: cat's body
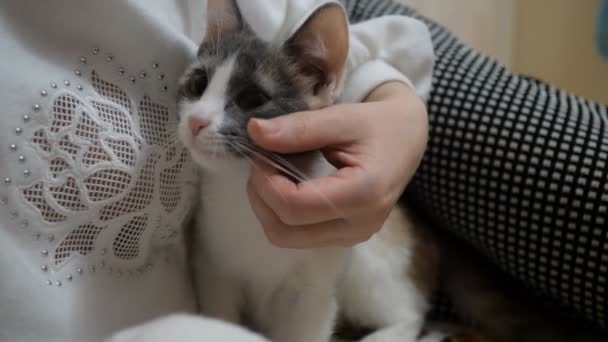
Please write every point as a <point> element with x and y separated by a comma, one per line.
<point>294,295</point>
<point>287,294</point>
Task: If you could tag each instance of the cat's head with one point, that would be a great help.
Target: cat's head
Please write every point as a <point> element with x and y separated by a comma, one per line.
<point>238,76</point>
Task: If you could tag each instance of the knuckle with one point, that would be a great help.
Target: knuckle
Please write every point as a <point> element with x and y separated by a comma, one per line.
<point>375,193</point>
<point>289,209</point>
<point>382,196</point>
<point>385,205</point>
<point>301,128</point>
<point>289,218</point>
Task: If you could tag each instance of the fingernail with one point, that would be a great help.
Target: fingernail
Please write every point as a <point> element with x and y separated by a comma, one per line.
<point>266,126</point>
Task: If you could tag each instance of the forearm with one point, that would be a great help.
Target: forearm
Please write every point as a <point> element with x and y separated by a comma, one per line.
<point>390,90</point>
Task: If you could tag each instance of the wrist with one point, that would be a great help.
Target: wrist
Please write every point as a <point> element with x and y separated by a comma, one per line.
<point>390,90</point>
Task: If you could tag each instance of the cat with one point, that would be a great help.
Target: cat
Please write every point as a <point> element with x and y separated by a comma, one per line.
<point>384,284</point>
<point>290,295</point>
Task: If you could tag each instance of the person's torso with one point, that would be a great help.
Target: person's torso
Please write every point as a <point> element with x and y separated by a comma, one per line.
<point>94,186</point>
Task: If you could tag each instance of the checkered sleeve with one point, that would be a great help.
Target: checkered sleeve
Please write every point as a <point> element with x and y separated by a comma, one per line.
<point>516,167</point>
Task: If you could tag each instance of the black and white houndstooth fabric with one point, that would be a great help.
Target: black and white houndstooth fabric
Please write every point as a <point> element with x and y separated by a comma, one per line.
<point>517,168</point>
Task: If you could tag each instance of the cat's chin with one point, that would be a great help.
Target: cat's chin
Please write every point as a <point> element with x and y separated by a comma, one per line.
<point>216,163</point>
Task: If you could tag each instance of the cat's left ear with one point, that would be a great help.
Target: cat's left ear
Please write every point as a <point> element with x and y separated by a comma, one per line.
<point>320,47</point>
<point>223,17</point>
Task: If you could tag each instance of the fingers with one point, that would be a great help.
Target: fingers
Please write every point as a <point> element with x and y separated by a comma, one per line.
<point>326,234</point>
<point>365,142</point>
<point>313,201</point>
<point>307,131</point>
<point>301,216</point>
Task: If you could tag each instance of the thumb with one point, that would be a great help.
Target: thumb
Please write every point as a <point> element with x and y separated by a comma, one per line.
<point>307,131</point>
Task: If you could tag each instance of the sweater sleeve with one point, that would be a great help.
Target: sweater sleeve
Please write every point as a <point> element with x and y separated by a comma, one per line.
<point>390,48</point>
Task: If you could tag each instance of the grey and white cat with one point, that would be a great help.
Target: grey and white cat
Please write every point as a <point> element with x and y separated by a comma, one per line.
<point>289,295</point>
<point>295,295</point>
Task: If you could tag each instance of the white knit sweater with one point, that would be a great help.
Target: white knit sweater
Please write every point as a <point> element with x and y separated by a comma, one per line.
<point>94,187</point>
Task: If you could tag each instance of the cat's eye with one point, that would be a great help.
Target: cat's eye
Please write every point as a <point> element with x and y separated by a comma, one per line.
<point>198,82</point>
<point>251,97</point>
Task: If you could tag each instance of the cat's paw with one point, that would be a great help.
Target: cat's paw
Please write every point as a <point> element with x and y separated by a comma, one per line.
<point>186,328</point>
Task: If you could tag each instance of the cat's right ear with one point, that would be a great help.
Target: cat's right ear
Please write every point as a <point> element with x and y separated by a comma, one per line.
<point>223,17</point>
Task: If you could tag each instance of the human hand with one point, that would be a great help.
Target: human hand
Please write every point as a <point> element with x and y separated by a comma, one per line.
<point>376,147</point>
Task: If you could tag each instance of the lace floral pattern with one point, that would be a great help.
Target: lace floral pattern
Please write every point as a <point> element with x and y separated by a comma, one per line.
<point>115,180</point>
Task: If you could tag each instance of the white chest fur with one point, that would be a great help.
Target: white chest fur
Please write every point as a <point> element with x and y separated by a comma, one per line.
<point>290,294</point>
<point>237,265</point>
<point>235,239</point>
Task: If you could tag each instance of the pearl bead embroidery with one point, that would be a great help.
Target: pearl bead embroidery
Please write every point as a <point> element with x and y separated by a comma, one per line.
<point>154,117</point>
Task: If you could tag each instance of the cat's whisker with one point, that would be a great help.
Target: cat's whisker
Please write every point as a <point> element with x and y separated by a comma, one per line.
<point>266,157</point>
<point>278,162</point>
<point>296,174</point>
<point>275,161</point>
<point>291,170</point>
<point>251,161</point>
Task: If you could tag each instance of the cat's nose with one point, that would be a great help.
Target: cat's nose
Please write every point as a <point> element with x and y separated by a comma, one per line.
<point>197,125</point>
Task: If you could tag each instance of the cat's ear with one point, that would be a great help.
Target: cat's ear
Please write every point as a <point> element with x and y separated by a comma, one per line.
<point>223,17</point>
<point>320,47</point>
